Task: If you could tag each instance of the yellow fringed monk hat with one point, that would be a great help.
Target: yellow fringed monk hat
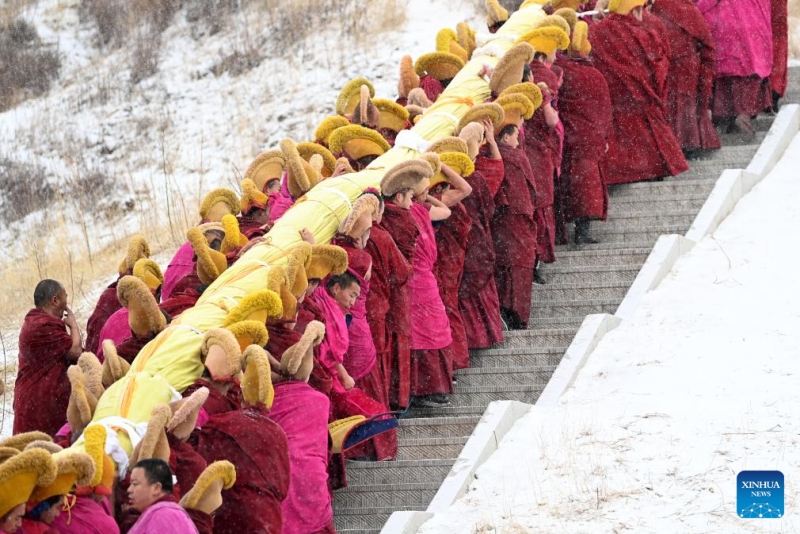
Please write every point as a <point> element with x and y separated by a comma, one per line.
<point>307,150</point>
<point>553,20</point>
<point>155,443</point>
<point>234,239</point>
<point>569,15</point>
<point>278,282</point>
<point>221,354</point>
<point>529,90</point>
<point>21,473</point>
<point>256,306</point>
<point>144,316</point>
<point>350,95</point>
<point>257,387</point>
<point>20,441</point>
<point>447,41</point>
<point>95,445</point>
<point>114,367</point>
<point>210,263</point>
<point>411,174</point>
<point>580,39</point>
<point>392,117</point>
<point>408,79</point>
<point>365,114</point>
<point>510,68</point>
<point>252,197</point>
<point>497,13</point>
<point>297,267</point>
<point>267,166</point>
<point>148,272</point>
<point>547,40</point>
<point>92,372</point>
<point>623,7</point>
<point>466,38</point>
<point>249,333</point>
<point>515,108</point>
<point>325,260</point>
<point>473,135</point>
<point>297,361</point>
<point>302,174</point>
<point>205,495</point>
<point>479,112</point>
<point>439,65</point>
<point>217,203</point>
<point>82,403</point>
<point>358,142</point>
<point>452,152</point>
<point>327,127</point>
<point>185,413</point>
<point>73,468</point>
<point>360,218</point>
<point>137,249</point>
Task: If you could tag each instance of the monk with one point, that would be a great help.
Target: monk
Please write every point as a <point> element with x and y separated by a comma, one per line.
<point>691,80</point>
<point>254,218</point>
<point>779,77</point>
<point>477,295</point>
<point>585,111</point>
<point>150,493</point>
<point>390,274</point>
<point>635,63</point>
<point>743,64</point>
<point>514,231</point>
<point>49,341</point>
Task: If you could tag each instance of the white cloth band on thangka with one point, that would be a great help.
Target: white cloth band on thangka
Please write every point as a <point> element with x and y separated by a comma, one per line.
<point>492,50</point>
<point>185,327</point>
<point>412,141</point>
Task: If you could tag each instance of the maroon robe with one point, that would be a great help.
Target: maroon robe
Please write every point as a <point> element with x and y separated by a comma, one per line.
<point>491,169</point>
<point>250,227</point>
<point>451,241</point>
<point>634,60</point>
<point>185,463</point>
<point>390,273</point>
<point>477,295</point>
<point>107,304</point>
<point>514,232</point>
<point>130,348</point>
<point>432,87</point>
<point>585,111</point>
<point>258,448</point>
<point>691,80</point>
<point>42,390</point>
<point>779,77</point>
<point>400,225</point>
<point>179,302</point>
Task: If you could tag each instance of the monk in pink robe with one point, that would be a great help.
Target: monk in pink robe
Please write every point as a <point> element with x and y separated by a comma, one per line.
<point>180,265</point>
<point>86,516</point>
<point>280,202</point>
<point>107,304</point>
<point>743,63</point>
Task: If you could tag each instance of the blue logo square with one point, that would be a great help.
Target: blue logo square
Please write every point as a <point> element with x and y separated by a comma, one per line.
<point>759,495</point>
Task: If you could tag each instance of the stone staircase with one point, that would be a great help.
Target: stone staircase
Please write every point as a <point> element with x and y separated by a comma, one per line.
<point>586,279</point>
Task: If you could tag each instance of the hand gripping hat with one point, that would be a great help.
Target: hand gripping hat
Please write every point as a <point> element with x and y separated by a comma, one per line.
<point>21,473</point>
<point>252,196</point>
<point>217,203</point>
<point>350,96</point>
<point>547,39</point>
<point>473,135</point>
<point>144,316</point>
<point>257,387</point>
<point>326,260</point>
<point>358,142</point>
<point>515,108</point>
<point>580,39</point>
<point>137,249</point>
<point>327,126</point>
<point>307,151</point>
<point>509,69</point>
<point>360,218</point>
<point>148,272</point>
<point>497,13</point>
<point>185,413</point>
<point>206,494</point>
<point>529,90</point>
<point>298,360</point>
<point>479,112</point>
<point>409,174</point>
<point>623,7</point>
<point>302,174</point>
<point>452,152</point>
<point>267,166</point>
<point>210,263</point>
<point>408,79</point>
<point>73,468</point>
<point>114,367</point>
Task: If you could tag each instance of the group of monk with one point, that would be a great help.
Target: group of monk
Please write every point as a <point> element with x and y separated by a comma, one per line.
<point>343,338</point>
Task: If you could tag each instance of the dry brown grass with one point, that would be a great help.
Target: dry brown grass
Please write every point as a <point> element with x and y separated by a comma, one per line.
<point>27,65</point>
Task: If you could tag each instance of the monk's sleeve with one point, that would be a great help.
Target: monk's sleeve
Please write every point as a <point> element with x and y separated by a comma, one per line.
<point>493,171</point>
<point>399,269</point>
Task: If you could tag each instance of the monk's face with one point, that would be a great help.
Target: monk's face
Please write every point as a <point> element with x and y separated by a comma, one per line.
<point>346,296</point>
<point>141,493</point>
<point>404,199</point>
<point>511,139</point>
<point>49,516</point>
<point>12,522</point>
<point>60,302</point>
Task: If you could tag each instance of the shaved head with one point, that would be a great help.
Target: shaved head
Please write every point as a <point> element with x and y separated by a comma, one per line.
<point>45,291</point>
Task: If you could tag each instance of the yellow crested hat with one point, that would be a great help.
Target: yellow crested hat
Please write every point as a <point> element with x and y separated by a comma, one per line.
<point>21,473</point>
<point>95,444</point>
<point>569,15</point>
<point>553,20</point>
<point>491,111</point>
<point>358,142</point>
<point>466,38</point>
<point>144,316</point>
<point>350,96</point>
<point>73,468</point>
<point>515,107</point>
<point>566,4</point>
<point>218,203</point>
<point>266,167</point>
<point>447,41</point>
<point>623,7</point>
<point>256,306</point>
<point>497,13</point>
<point>205,495</point>
<point>148,272</point>
<point>307,149</point>
<point>510,68</point>
<point>114,367</point>
<point>20,441</point>
<point>365,114</point>
<point>547,40</point>
<point>530,91</point>
<point>439,65</point>
<point>473,135</point>
<point>327,126</point>
<point>249,333</point>
<point>277,281</point>
<point>580,39</point>
<point>154,443</point>
<point>452,152</point>
<point>82,403</point>
<point>393,116</point>
<point>210,263</point>
<point>137,249</point>
<point>257,387</point>
<point>297,267</point>
<point>408,79</point>
<point>221,354</point>
<point>252,196</point>
<point>234,238</point>
<point>325,260</point>
<point>302,174</point>
<point>185,413</point>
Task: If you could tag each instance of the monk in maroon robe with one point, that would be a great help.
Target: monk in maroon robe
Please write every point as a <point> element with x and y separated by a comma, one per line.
<point>585,112</point>
<point>46,349</point>
<point>107,304</point>
<point>514,232</point>
<point>779,77</point>
<point>691,81</point>
<point>634,60</point>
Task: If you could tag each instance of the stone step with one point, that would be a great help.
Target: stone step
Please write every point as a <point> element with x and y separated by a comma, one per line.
<point>541,339</point>
<point>556,293</point>
<point>572,307</point>
<point>514,357</point>
<point>596,258</point>
<point>738,139</point>
<point>477,395</point>
<point>441,426</point>
<point>727,152</point>
<point>363,520</point>
<point>653,190</point>
<point>628,205</point>
<point>503,376</point>
<point>647,234</point>
<point>599,275</point>
<point>413,495</point>
<point>377,473</point>
<point>733,160</point>
<point>556,322</point>
<point>431,448</point>
<point>448,411</point>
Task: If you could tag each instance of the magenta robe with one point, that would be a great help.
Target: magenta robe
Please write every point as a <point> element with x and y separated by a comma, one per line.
<point>280,202</point>
<point>116,329</point>
<point>107,304</point>
<point>86,517</point>
<point>164,518</point>
<point>181,265</point>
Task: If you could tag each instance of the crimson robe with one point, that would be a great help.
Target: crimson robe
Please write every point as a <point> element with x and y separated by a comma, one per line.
<point>585,111</point>
<point>390,274</point>
<point>259,450</point>
<point>477,296</point>
<point>689,86</point>
<point>186,464</point>
<point>634,60</point>
<point>451,241</point>
<point>180,301</point>
<point>400,225</point>
<point>107,304</point>
<point>130,348</point>
<point>491,169</point>
<point>432,87</point>
<point>779,77</point>
<point>250,227</point>
<point>190,282</point>
<point>514,232</point>
<point>42,390</point>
